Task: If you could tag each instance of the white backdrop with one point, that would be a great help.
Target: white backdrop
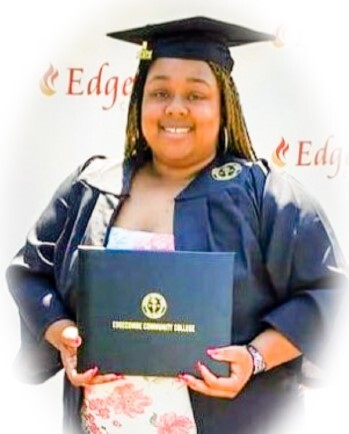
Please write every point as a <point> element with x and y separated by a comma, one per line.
<point>55,113</point>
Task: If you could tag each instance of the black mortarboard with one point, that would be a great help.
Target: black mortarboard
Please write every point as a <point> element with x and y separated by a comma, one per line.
<point>197,38</point>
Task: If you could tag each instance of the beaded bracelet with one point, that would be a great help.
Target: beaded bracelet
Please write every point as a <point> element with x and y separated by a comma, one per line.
<point>257,358</point>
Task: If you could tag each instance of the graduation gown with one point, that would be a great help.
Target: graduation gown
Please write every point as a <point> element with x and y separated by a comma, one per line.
<point>286,272</point>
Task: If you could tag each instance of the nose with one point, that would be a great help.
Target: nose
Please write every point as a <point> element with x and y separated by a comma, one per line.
<point>176,107</point>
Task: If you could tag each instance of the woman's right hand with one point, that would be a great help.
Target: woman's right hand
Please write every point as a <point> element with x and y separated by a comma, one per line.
<point>64,336</point>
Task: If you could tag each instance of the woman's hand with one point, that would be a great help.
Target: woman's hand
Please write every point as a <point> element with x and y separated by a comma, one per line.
<point>274,347</point>
<point>241,368</point>
<point>64,336</point>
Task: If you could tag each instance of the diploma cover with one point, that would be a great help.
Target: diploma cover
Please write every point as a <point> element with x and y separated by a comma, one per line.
<point>153,313</point>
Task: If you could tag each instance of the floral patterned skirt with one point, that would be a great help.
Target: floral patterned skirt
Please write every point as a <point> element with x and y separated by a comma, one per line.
<point>138,405</point>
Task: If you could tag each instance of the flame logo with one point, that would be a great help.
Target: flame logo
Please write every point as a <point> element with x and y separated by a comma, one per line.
<point>48,80</point>
<point>279,155</point>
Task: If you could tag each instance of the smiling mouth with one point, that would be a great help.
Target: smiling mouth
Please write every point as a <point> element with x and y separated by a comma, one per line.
<point>176,130</point>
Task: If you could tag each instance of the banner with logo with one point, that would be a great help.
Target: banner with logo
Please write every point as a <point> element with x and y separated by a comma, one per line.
<point>66,88</point>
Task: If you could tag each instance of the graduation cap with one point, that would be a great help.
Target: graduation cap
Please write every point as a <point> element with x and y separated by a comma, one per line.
<point>196,38</point>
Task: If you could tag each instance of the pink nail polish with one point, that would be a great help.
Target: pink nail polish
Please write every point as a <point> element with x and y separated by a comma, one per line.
<point>198,365</point>
<point>77,341</point>
<point>182,377</point>
<point>119,376</point>
<point>94,370</point>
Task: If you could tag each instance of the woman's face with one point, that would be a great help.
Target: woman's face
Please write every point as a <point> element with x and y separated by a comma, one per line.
<point>181,112</point>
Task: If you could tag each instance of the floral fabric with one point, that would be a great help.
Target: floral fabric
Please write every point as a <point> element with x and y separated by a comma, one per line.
<point>138,405</point>
<point>135,404</point>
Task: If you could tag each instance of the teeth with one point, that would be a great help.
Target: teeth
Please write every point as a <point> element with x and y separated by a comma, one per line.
<point>177,130</point>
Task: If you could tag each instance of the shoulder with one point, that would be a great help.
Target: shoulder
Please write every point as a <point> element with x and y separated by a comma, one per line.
<point>97,165</point>
<point>285,190</point>
<point>231,170</point>
<point>247,176</point>
<point>288,202</point>
<point>103,173</point>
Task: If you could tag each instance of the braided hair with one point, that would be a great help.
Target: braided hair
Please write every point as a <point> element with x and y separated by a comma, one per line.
<point>233,134</point>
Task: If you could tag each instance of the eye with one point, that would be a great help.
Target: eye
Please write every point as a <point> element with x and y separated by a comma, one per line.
<point>159,94</point>
<point>195,96</point>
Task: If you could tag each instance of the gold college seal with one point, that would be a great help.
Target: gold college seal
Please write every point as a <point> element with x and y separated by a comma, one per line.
<point>226,172</point>
<point>154,305</point>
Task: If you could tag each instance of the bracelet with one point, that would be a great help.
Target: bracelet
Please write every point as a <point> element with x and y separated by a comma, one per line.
<point>257,359</point>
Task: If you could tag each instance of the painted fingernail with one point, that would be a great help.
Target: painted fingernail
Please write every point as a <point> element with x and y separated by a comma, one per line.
<point>94,370</point>
<point>183,377</point>
<point>77,341</point>
<point>118,376</point>
<point>198,365</point>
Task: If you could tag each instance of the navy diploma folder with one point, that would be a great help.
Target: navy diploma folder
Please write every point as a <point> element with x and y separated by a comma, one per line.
<point>153,313</point>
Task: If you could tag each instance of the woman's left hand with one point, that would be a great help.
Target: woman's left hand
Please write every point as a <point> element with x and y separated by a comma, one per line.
<point>241,368</point>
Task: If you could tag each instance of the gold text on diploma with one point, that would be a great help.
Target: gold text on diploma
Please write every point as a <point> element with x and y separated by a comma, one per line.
<point>153,326</point>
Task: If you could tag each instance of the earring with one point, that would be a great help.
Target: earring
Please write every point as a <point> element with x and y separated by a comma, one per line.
<point>226,140</point>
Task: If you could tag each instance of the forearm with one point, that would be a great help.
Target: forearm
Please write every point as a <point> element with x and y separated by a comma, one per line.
<point>275,348</point>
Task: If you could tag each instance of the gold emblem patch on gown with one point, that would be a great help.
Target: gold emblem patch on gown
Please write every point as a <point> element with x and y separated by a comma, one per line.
<point>226,172</point>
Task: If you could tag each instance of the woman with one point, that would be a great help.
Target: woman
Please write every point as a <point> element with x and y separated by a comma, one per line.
<point>190,181</point>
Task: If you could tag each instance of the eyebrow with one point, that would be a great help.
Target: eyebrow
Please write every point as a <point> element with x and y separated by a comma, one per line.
<point>189,79</point>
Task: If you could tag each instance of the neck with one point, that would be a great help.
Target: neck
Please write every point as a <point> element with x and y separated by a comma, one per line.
<point>180,173</point>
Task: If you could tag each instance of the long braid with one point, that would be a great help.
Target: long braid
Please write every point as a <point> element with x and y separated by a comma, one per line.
<point>233,122</point>
<point>238,139</point>
<point>136,145</point>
